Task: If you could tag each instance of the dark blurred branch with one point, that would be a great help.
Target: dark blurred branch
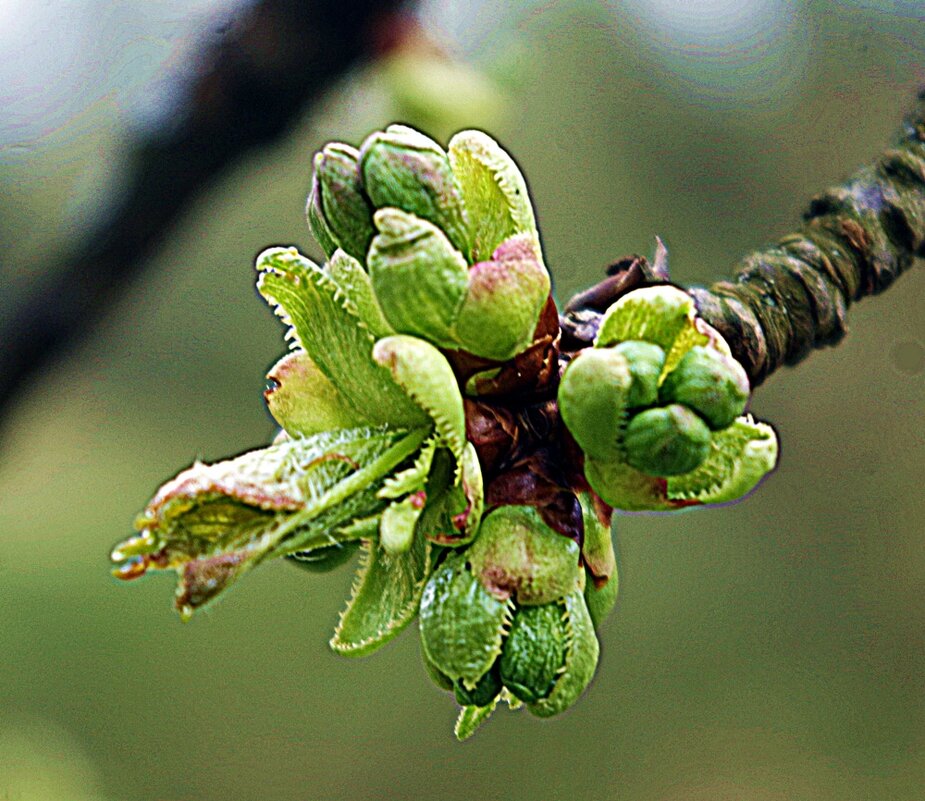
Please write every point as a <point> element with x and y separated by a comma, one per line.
<point>246,90</point>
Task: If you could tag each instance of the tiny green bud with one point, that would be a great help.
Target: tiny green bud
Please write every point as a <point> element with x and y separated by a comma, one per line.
<point>517,555</point>
<point>713,385</point>
<point>645,361</point>
<point>592,400</point>
<point>462,624</point>
<point>534,651</point>
<point>666,441</point>
<point>402,168</point>
<point>485,691</point>
<point>345,209</point>
<point>580,659</point>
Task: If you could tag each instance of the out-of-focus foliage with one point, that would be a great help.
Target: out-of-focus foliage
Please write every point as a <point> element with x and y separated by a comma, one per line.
<point>773,651</point>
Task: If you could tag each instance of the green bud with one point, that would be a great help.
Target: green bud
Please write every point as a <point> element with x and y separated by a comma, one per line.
<point>485,691</point>
<point>317,224</point>
<point>346,213</point>
<point>645,361</point>
<point>505,297</point>
<point>404,169</point>
<point>534,651</point>
<point>516,555</point>
<point>666,441</point>
<point>462,624</point>
<point>712,384</point>
<point>592,400</point>
<point>580,659</point>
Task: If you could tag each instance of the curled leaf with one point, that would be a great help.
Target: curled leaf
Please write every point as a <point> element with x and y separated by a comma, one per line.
<point>580,660</point>
<point>212,523</point>
<point>427,378</point>
<point>304,401</point>
<point>494,192</point>
<point>327,325</point>
<point>420,279</point>
<point>516,555</point>
<point>385,597</point>
<point>462,624</point>
<point>470,718</point>
<point>404,169</point>
<point>340,212</point>
<point>505,297</point>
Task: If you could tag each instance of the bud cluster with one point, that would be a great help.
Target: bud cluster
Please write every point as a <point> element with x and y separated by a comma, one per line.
<point>448,237</point>
<point>510,614</point>
<point>477,514</point>
<point>657,404</point>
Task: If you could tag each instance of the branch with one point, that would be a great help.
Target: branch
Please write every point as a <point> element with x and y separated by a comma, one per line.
<point>791,298</point>
<point>856,240</point>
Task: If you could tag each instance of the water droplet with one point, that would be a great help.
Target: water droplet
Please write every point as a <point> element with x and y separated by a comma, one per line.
<point>908,357</point>
<point>132,568</point>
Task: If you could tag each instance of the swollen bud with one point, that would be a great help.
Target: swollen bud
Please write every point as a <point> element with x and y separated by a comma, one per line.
<point>404,169</point>
<point>516,555</point>
<point>338,211</point>
<point>666,441</point>
<point>534,651</point>
<point>712,384</point>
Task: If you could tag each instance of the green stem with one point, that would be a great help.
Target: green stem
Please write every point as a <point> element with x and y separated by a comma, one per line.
<point>856,240</point>
<point>354,483</point>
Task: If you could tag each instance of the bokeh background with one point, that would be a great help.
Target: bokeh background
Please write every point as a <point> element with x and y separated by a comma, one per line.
<point>767,651</point>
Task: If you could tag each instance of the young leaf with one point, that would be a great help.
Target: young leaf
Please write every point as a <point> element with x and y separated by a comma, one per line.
<point>505,297</point>
<point>580,660</point>
<point>385,597</point>
<point>470,718</point>
<point>356,284</point>
<point>656,314</point>
<point>494,192</point>
<point>214,522</point>
<point>328,327</point>
<point>404,169</point>
<point>740,456</point>
<point>396,528</point>
<point>303,400</point>
<point>462,624</point>
<point>420,279</point>
<point>426,376</point>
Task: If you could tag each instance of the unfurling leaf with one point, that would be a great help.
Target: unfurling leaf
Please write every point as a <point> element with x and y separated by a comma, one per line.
<point>214,522</point>
<point>385,597</point>
<point>328,326</point>
<point>303,401</point>
<point>495,194</point>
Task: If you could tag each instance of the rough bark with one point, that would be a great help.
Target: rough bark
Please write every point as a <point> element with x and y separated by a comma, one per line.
<point>855,241</point>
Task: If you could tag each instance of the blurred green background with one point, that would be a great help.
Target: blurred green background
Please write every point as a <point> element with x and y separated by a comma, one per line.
<point>771,650</point>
